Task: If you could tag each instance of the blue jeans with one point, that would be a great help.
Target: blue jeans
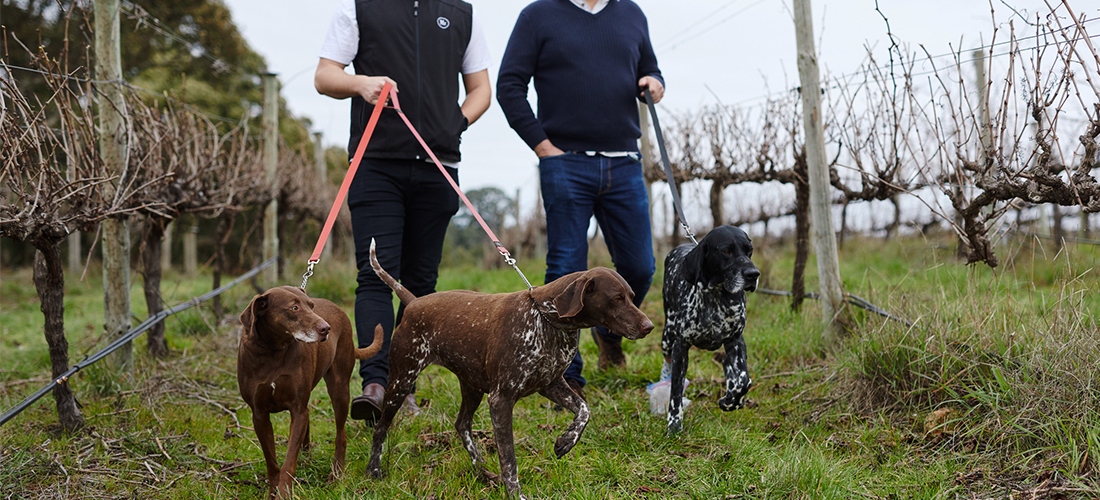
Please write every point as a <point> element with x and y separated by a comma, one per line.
<point>575,187</point>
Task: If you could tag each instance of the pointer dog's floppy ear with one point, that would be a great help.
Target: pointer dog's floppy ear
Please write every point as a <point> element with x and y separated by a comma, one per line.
<point>695,264</point>
<point>571,300</point>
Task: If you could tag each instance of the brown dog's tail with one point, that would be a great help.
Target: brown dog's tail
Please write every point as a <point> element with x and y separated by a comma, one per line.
<point>369,351</point>
<point>402,293</point>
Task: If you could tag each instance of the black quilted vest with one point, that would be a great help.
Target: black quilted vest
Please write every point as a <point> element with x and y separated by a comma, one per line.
<point>420,45</point>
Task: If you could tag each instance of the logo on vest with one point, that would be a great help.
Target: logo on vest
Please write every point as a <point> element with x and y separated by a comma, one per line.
<point>443,22</point>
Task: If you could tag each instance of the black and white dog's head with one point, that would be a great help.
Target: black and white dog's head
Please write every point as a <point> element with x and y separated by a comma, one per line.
<point>723,258</point>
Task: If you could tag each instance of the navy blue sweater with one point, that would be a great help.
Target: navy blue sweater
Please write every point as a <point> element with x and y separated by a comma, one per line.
<point>586,69</point>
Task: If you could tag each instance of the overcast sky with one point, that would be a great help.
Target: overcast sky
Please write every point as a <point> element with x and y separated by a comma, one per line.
<point>710,51</point>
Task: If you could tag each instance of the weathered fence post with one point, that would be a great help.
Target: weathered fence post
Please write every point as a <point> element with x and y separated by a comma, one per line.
<point>71,157</point>
<point>986,132</point>
<point>322,174</point>
<point>114,150</point>
<point>190,249</point>
<point>166,250</point>
<point>821,217</point>
<point>271,163</point>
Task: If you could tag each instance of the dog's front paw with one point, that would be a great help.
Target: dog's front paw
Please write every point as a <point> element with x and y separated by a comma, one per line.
<point>675,425</point>
<point>564,444</point>
<point>374,472</point>
<point>729,404</point>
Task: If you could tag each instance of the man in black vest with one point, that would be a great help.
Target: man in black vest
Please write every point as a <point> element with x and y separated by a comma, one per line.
<point>398,197</point>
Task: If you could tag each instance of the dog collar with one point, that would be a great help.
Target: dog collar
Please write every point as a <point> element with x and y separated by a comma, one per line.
<point>539,310</point>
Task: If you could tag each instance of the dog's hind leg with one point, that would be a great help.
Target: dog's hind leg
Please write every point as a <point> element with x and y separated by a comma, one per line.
<point>337,385</point>
<point>389,411</point>
<point>471,399</point>
<point>559,392</point>
<point>306,443</point>
<point>738,381</point>
<point>678,353</point>
<point>403,375</point>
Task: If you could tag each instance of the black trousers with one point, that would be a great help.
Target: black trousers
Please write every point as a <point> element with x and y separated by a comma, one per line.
<point>405,205</point>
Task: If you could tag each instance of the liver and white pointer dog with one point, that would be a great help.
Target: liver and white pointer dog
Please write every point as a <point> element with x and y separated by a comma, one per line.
<point>507,345</point>
<point>704,298</point>
<point>289,342</point>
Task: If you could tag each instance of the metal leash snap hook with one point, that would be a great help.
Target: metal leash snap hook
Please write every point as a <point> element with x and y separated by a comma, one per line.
<point>308,273</point>
<point>690,233</point>
<point>512,262</point>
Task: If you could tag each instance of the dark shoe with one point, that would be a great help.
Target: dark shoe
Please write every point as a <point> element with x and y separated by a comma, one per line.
<point>610,354</point>
<point>368,406</point>
<point>410,406</point>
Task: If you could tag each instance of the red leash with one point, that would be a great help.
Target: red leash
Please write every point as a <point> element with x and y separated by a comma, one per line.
<point>382,97</point>
<point>500,247</point>
<point>316,257</point>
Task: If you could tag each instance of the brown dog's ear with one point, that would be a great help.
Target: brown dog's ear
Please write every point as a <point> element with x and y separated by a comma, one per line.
<point>571,300</point>
<point>248,317</point>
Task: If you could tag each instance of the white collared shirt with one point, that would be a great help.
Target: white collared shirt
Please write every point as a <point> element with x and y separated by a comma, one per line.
<point>600,4</point>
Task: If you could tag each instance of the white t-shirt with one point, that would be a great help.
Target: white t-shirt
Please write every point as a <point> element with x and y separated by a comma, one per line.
<point>342,41</point>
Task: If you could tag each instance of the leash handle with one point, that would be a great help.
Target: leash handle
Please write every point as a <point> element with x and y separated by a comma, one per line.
<point>668,168</point>
<point>342,194</point>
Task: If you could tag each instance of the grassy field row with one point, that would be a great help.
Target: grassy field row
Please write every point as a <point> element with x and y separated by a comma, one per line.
<point>994,392</point>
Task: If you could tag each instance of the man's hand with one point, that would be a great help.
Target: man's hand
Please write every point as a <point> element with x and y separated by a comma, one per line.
<point>331,80</point>
<point>545,148</point>
<point>655,88</point>
<point>369,87</point>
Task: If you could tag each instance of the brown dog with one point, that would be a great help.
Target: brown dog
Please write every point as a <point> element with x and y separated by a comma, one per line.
<point>288,343</point>
<point>509,345</point>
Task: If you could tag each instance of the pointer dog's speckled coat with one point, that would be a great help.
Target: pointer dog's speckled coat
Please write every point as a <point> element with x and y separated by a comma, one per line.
<point>704,299</point>
<point>289,342</point>
<point>507,345</point>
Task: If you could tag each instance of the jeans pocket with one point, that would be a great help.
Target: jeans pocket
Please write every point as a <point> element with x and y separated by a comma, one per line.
<point>553,158</point>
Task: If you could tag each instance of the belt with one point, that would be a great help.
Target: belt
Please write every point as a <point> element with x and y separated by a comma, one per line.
<point>633,155</point>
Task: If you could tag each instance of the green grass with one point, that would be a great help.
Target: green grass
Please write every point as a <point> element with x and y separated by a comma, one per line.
<point>1010,356</point>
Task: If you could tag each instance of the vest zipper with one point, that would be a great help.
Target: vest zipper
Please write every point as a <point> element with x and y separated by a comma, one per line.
<point>419,93</point>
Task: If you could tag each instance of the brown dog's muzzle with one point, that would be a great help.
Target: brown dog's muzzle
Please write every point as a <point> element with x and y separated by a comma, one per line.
<point>640,331</point>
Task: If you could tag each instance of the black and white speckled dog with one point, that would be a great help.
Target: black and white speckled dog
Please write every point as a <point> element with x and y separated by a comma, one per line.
<point>704,299</point>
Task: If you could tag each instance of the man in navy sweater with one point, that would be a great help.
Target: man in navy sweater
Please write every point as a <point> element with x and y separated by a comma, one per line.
<point>589,60</point>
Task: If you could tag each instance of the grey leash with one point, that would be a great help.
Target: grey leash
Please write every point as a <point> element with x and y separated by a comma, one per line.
<point>668,167</point>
